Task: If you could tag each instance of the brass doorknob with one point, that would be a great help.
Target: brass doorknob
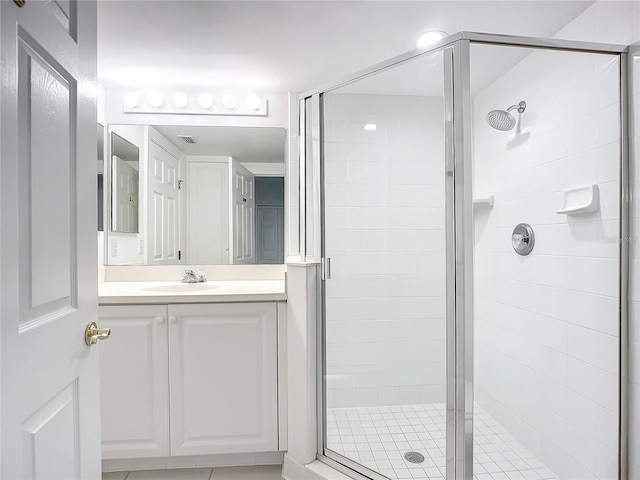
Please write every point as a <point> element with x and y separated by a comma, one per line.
<point>92,333</point>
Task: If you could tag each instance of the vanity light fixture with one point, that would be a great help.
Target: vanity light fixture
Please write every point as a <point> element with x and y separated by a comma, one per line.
<point>229,102</point>
<point>205,100</point>
<point>253,102</point>
<point>430,37</point>
<point>155,99</point>
<point>130,99</point>
<point>370,127</point>
<point>180,99</point>
<point>190,102</point>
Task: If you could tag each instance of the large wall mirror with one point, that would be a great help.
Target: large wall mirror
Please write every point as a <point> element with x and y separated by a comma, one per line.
<point>198,195</point>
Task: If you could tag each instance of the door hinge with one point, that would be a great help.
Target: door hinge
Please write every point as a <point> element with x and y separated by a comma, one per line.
<point>179,254</point>
<point>180,183</point>
<point>325,269</point>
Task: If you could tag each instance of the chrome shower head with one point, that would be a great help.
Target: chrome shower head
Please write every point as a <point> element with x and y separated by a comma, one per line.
<point>502,120</point>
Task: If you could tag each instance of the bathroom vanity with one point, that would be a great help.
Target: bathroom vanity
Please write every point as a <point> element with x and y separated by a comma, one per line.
<point>192,369</point>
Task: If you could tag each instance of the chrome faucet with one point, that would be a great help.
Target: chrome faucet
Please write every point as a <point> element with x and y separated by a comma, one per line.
<point>189,276</point>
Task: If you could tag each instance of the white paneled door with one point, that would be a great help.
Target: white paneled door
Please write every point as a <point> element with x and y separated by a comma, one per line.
<point>164,200</point>
<point>244,206</point>
<point>50,409</point>
<point>208,213</point>
<point>126,197</point>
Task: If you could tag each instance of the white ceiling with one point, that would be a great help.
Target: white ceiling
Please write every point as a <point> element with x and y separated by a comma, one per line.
<point>279,46</point>
<point>245,144</point>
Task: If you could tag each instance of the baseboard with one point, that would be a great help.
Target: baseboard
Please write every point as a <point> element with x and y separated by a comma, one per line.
<point>194,461</point>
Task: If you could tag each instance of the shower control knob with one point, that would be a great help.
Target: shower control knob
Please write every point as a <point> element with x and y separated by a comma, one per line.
<point>522,239</point>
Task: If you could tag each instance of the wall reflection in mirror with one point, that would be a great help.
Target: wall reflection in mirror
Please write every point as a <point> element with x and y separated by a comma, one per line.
<point>195,195</point>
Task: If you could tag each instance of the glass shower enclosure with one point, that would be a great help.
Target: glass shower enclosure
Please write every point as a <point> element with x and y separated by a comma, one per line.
<point>468,202</point>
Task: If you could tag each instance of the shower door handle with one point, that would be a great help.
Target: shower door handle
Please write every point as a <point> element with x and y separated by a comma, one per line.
<point>325,269</point>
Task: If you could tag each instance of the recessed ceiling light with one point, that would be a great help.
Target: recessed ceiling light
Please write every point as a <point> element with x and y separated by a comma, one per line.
<point>370,127</point>
<point>430,37</point>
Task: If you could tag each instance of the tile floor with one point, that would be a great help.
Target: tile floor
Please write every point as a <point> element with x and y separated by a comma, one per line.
<point>378,437</point>
<point>271,472</point>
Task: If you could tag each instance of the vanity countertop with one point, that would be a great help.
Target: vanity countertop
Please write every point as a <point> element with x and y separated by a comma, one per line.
<point>225,291</point>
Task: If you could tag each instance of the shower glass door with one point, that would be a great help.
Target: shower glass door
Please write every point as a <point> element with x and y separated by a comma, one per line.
<point>385,237</point>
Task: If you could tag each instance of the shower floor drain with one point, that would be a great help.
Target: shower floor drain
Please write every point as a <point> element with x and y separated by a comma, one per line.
<point>414,457</point>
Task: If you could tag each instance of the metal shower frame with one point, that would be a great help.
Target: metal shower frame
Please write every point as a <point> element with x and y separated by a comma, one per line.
<point>459,232</point>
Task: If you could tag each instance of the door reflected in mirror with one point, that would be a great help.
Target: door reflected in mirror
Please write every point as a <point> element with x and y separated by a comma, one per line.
<point>208,195</point>
<point>125,165</point>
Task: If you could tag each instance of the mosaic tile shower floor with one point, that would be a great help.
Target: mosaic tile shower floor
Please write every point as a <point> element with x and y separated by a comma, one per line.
<point>378,437</point>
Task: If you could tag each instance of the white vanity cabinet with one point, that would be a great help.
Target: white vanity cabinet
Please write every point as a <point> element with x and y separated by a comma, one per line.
<point>223,371</point>
<point>134,385</point>
<point>216,365</point>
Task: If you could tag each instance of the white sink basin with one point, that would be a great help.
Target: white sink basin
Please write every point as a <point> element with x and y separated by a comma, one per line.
<point>180,288</point>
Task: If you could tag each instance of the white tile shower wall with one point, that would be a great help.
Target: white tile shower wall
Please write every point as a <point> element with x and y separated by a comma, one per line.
<point>546,325</point>
<point>385,236</point>
<point>619,22</point>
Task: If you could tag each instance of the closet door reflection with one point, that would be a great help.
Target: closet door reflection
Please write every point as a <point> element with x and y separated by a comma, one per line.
<point>385,303</point>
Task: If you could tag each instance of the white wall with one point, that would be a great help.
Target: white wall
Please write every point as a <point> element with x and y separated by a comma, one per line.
<point>385,237</point>
<point>292,182</point>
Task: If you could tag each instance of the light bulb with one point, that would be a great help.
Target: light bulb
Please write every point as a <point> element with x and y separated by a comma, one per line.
<point>130,100</point>
<point>180,99</point>
<point>253,102</point>
<point>370,127</point>
<point>205,100</point>
<point>229,102</point>
<point>155,99</point>
<point>429,38</point>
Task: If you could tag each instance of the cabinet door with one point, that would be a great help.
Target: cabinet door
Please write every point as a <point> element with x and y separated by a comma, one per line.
<point>223,378</point>
<point>134,382</point>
